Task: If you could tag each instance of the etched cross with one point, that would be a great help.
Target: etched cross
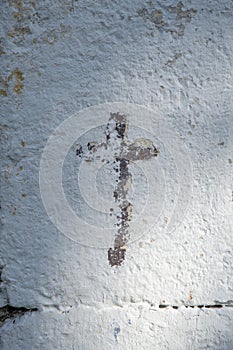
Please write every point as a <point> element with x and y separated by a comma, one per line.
<point>124,152</point>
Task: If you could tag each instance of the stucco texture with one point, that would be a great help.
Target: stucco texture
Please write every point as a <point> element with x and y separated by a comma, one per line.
<point>78,287</point>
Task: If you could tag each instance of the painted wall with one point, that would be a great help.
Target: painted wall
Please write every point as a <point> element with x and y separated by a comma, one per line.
<point>117,150</point>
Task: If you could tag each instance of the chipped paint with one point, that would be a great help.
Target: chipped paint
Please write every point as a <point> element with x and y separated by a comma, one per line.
<point>125,152</point>
<point>128,152</point>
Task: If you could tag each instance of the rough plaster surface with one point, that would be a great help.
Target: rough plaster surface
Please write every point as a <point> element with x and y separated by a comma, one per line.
<point>173,290</point>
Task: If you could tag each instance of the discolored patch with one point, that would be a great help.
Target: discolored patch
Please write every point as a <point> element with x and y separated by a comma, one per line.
<point>124,153</point>
<point>17,76</point>
<point>167,18</point>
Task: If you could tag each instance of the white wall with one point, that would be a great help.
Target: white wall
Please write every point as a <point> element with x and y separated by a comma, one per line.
<point>173,289</point>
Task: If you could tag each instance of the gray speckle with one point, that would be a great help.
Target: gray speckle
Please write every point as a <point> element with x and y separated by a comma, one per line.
<point>116,332</point>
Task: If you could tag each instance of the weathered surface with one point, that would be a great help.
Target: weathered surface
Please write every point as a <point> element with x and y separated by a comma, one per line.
<point>123,153</point>
<point>173,290</point>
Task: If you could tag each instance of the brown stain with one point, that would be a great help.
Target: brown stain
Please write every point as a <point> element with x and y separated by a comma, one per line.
<point>22,9</point>
<point>190,295</point>
<point>18,77</point>
<point>5,85</point>
<point>22,143</point>
<point>54,35</point>
<point>22,13</point>
<point>167,18</point>
<point>23,195</point>
<point>18,4</point>
<point>2,52</point>
<point>3,92</point>
<point>19,31</point>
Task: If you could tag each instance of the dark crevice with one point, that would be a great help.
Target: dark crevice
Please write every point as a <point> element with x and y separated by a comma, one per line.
<point>213,306</point>
<point>1,268</point>
<point>11,312</point>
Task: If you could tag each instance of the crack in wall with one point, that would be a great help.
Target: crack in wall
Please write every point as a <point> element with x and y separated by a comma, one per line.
<point>201,306</point>
<point>10,312</point>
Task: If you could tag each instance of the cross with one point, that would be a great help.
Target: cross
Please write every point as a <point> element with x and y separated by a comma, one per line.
<point>124,153</point>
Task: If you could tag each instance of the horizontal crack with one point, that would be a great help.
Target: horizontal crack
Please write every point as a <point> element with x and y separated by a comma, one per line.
<point>11,312</point>
<point>213,306</point>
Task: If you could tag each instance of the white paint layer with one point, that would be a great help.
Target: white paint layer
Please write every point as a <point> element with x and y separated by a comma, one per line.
<point>167,66</point>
